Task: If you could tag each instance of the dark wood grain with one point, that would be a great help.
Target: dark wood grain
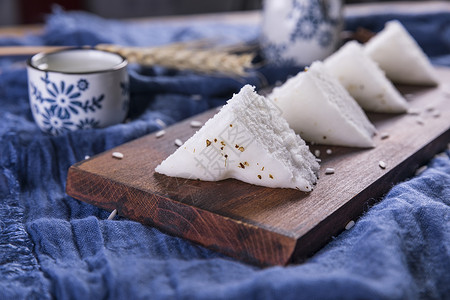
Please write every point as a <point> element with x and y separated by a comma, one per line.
<point>261,225</point>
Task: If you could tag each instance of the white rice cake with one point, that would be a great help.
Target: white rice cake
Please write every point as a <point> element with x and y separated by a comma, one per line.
<point>248,140</point>
<point>399,55</point>
<point>319,108</point>
<point>364,80</point>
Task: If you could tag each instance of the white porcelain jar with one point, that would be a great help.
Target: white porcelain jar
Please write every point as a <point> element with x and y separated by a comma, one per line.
<point>298,32</point>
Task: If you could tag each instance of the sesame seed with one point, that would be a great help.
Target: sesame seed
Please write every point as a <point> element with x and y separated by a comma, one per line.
<point>160,133</point>
<point>329,151</point>
<point>196,124</point>
<point>112,215</point>
<point>178,142</point>
<point>329,171</point>
<point>117,155</point>
<point>382,164</point>
<point>349,225</point>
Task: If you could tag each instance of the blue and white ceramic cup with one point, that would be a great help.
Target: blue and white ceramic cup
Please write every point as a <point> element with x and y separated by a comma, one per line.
<point>77,88</point>
<point>298,32</point>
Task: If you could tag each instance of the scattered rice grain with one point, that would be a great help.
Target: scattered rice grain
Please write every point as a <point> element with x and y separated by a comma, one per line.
<point>409,96</point>
<point>160,133</point>
<point>317,153</point>
<point>382,164</point>
<point>442,155</point>
<point>117,155</point>
<point>420,170</point>
<point>329,151</point>
<point>161,123</point>
<point>349,225</point>
<point>178,142</point>
<point>86,157</point>
<point>329,171</point>
<point>196,124</point>
<point>112,215</point>
<point>384,135</point>
<point>413,112</point>
<point>196,97</point>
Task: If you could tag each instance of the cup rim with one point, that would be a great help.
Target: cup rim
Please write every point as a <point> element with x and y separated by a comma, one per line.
<point>41,55</point>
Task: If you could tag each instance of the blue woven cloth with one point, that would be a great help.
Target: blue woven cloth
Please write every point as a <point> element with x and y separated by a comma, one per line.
<point>53,246</point>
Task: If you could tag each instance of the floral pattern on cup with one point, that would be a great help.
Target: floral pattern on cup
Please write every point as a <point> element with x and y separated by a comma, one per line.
<point>77,88</point>
<point>63,101</point>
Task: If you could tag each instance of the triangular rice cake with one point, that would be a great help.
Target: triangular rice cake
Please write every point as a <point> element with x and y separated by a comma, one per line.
<point>399,55</point>
<point>247,140</point>
<point>364,80</point>
<point>319,108</point>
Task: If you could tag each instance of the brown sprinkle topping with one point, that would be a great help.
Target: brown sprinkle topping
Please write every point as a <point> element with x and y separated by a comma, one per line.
<point>270,176</point>
<point>259,176</point>
<point>215,140</point>
<point>241,149</point>
<point>241,165</point>
<point>208,143</point>
<point>223,143</point>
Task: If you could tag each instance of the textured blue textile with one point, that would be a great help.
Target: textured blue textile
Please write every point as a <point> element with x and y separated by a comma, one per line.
<point>53,246</point>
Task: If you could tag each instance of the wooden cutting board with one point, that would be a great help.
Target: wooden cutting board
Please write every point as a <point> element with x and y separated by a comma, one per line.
<point>260,225</point>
